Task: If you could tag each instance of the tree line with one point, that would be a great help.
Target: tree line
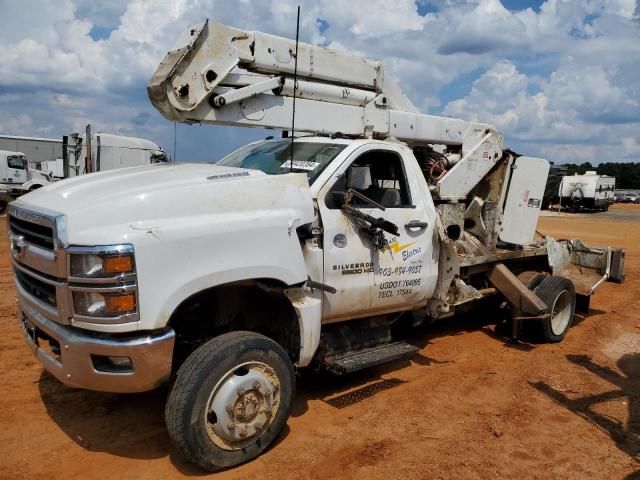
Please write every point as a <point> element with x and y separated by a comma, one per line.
<point>627,174</point>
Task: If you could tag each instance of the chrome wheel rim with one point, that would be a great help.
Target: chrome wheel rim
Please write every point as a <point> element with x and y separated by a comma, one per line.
<point>242,405</point>
<point>561,313</point>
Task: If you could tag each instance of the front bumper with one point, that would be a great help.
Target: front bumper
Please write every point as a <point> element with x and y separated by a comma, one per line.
<point>73,358</point>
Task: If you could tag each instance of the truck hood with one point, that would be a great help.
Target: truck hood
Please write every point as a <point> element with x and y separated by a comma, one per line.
<point>147,196</point>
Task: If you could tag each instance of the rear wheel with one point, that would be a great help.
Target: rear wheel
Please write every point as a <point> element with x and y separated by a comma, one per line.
<point>560,295</point>
<point>231,399</point>
<point>531,279</point>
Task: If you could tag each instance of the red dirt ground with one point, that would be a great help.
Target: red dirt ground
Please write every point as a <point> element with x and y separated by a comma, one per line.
<point>470,405</point>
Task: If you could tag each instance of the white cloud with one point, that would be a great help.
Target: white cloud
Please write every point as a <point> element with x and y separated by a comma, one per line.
<point>578,114</point>
<point>559,81</point>
<point>487,27</point>
<point>500,97</point>
<point>10,123</point>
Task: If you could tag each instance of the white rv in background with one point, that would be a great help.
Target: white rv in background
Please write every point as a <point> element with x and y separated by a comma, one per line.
<point>588,191</point>
<point>88,153</point>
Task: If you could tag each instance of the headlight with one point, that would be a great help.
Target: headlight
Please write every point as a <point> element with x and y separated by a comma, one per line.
<point>97,265</point>
<point>107,304</point>
<point>103,283</point>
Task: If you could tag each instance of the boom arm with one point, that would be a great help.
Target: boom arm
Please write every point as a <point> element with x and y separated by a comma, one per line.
<point>223,75</point>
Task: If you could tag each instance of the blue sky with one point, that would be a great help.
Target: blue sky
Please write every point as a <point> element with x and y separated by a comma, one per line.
<point>560,78</point>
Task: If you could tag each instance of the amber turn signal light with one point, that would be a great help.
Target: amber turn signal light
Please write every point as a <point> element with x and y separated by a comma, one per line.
<point>117,264</point>
<point>120,303</point>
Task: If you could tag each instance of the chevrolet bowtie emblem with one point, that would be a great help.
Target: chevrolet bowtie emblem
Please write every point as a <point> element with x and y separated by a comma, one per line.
<point>17,243</point>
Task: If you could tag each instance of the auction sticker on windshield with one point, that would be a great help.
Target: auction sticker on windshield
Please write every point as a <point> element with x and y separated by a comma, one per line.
<point>300,165</point>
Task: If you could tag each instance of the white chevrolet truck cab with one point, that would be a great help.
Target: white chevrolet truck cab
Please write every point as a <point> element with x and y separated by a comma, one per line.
<point>132,251</point>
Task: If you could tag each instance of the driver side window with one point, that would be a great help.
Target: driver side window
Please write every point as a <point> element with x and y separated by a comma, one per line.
<point>377,174</point>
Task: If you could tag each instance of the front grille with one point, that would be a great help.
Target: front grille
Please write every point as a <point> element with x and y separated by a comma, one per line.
<point>33,233</point>
<point>43,291</point>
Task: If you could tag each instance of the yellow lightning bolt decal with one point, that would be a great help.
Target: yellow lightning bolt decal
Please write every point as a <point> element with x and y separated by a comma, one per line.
<point>395,247</point>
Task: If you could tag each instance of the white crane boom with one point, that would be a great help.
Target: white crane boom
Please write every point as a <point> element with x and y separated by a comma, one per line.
<point>222,75</point>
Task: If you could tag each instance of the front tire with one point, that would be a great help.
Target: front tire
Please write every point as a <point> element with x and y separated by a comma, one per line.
<point>231,399</point>
<point>560,295</point>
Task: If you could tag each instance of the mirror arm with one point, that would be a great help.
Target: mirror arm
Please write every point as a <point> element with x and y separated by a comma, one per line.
<point>354,193</point>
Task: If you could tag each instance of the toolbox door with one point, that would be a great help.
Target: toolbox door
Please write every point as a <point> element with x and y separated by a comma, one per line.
<point>524,200</point>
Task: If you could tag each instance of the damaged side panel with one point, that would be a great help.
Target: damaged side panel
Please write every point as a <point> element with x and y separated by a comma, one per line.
<point>587,267</point>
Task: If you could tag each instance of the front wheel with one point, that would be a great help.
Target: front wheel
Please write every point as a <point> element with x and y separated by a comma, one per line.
<point>560,296</point>
<point>230,400</point>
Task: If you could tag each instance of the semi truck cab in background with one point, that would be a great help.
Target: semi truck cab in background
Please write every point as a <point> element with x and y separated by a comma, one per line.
<point>98,152</point>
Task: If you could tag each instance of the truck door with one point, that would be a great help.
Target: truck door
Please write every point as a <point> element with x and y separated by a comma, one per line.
<point>399,273</point>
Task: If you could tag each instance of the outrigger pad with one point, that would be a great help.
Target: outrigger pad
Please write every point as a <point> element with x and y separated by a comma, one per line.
<point>582,303</point>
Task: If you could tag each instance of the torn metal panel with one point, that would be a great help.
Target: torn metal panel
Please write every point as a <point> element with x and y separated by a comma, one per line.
<point>460,293</point>
<point>587,267</point>
<point>448,270</point>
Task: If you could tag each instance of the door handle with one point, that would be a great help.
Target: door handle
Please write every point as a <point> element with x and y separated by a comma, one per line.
<point>416,224</point>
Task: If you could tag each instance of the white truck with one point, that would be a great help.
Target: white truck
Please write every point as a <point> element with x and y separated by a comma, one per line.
<point>13,168</point>
<point>589,191</point>
<point>98,152</point>
<point>15,173</point>
<point>16,177</point>
<point>288,253</point>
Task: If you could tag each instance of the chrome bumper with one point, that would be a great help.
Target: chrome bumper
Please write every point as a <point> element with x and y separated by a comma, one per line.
<point>73,359</point>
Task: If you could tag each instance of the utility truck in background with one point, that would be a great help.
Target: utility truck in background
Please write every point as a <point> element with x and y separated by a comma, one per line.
<point>587,192</point>
<point>302,252</point>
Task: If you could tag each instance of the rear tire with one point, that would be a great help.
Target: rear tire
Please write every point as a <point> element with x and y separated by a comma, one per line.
<point>560,296</point>
<point>531,279</point>
<point>230,401</point>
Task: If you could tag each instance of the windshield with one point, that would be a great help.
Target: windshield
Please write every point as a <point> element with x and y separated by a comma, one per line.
<point>274,157</point>
<point>17,161</point>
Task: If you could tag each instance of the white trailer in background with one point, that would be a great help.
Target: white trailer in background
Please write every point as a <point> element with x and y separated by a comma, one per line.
<point>589,191</point>
<point>99,152</point>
